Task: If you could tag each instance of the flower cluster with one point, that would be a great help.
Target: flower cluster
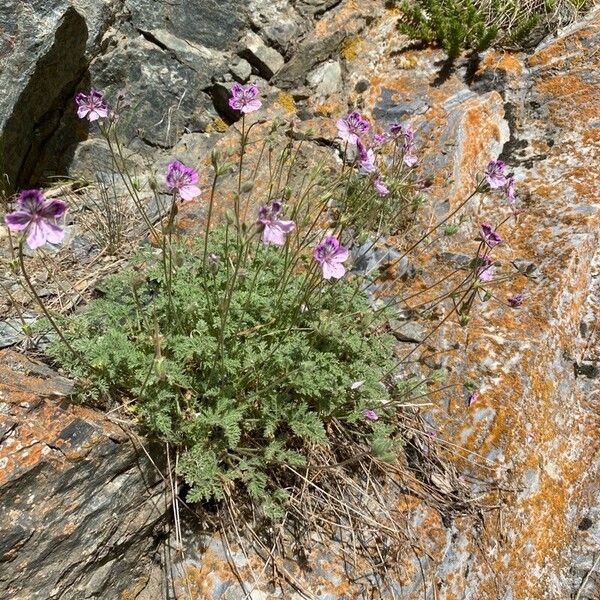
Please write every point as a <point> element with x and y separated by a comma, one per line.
<point>353,129</point>
<point>37,217</point>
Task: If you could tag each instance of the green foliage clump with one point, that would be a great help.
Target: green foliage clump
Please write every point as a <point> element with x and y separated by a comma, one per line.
<point>475,25</point>
<point>245,395</point>
<point>454,24</point>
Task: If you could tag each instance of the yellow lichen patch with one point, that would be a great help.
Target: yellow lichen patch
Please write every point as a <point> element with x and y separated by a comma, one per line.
<point>351,47</point>
<point>286,101</point>
<point>407,61</point>
<point>217,125</point>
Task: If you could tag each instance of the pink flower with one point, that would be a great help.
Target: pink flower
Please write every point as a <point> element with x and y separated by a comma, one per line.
<point>38,216</point>
<point>366,157</point>
<point>510,190</point>
<point>351,127</point>
<point>486,272</point>
<point>370,414</point>
<point>182,179</point>
<point>244,99</point>
<point>91,106</point>
<point>489,236</point>
<point>495,174</point>
<point>380,187</point>
<point>275,229</point>
<point>330,254</point>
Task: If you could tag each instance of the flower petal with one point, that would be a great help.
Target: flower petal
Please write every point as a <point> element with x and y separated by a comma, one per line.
<point>273,235</point>
<point>36,237</point>
<point>53,233</point>
<point>251,106</point>
<point>189,192</point>
<point>18,220</point>
<point>341,254</point>
<point>53,209</point>
<point>333,270</point>
<point>286,226</point>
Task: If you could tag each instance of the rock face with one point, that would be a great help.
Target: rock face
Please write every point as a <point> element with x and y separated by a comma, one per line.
<point>533,427</point>
<point>80,506</point>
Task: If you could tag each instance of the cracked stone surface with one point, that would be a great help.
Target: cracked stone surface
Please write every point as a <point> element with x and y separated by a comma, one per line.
<point>79,503</point>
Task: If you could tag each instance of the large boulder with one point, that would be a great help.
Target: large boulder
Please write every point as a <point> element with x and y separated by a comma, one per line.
<point>81,505</point>
<point>45,48</point>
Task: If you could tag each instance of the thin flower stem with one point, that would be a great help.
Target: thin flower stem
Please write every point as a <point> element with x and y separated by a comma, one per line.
<point>47,314</point>
<point>209,217</point>
<point>435,227</point>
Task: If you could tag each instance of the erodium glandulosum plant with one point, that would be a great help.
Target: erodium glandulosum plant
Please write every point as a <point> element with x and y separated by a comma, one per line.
<point>254,347</point>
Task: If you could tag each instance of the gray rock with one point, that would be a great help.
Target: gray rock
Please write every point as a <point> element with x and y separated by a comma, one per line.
<point>241,70</point>
<point>315,7</point>
<point>312,52</point>
<point>11,330</point>
<point>47,51</point>
<point>408,331</point>
<point>168,96</point>
<point>79,504</point>
<point>205,22</point>
<point>369,257</point>
<point>462,261</point>
<point>326,79</point>
<point>277,22</point>
<point>266,60</point>
<point>200,59</point>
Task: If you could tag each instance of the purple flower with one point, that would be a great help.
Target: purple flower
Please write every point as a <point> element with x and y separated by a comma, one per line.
<point>330,254</point>
<point>357,384</point>
<point>91,106</point>
<point>473,397</point>
<point>486,272</point>
<point>244,98</point>
<point>516,300</point>
<point>366,157</point>
<point>38,216</point>
<point>510,190</point>
<point>275,229</point>
<point>379,139</point>
<point>182,179</point>
<point>495,174</point>
<point>370,414</point>
<point>380,187</point>
<point>351,127</point>
<point>490,237</point>
<point>410,159</point>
